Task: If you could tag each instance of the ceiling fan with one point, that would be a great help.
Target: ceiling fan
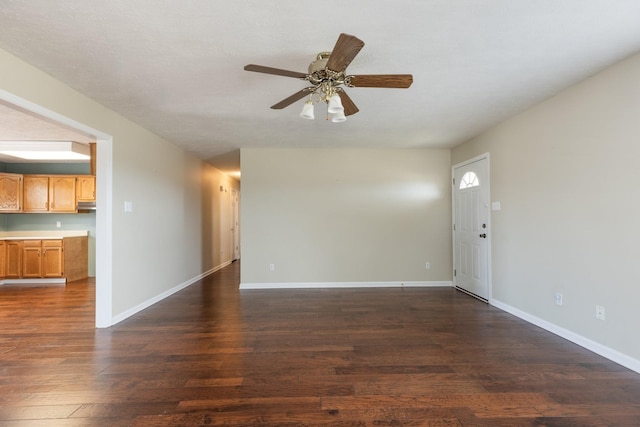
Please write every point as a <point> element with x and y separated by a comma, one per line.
<point>327,74</point>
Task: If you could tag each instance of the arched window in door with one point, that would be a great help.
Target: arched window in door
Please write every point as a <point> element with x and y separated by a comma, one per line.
<point>469,179</point>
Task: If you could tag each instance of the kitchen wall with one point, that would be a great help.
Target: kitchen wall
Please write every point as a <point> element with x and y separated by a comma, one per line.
<point>359,216</point>
<point>566,173</point>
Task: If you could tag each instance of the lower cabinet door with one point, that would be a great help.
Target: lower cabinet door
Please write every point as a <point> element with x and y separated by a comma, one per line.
<point>32,259</point>
<point>14,259</point>
<point>52,258</point>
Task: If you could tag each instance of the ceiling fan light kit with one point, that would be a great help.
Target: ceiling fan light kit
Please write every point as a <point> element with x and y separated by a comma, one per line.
<point>335,105</point>
<point>327,75</point>
<point>307,111</point>
<point>338,117</point>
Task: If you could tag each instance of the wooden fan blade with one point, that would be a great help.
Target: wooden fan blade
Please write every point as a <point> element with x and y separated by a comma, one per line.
<point>401,81</point>
<point>348,105</point>
<point>276,71</point>
<point>346,48</point>
<point>293,98</point>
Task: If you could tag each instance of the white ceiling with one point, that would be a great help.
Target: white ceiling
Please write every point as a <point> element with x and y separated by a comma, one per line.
<point>176,67</point>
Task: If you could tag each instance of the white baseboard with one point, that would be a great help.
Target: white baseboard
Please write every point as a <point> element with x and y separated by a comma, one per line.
<point>148,303</point>
<point>34,282</point>
<point>329,285</point>
<point>604,351</point>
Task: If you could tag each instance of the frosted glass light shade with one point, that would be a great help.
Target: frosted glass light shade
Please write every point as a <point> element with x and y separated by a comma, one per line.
<point>335,105</point>
<point>307,111</point>
<point>338,117</point>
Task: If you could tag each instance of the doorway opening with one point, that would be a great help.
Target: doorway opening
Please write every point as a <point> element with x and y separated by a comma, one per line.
<point>104,172</point>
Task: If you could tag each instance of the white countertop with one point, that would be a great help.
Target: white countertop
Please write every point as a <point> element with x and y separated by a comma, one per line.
<point>41,234</point>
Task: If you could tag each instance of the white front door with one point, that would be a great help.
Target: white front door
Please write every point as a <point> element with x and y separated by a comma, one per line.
<point>471,227</point>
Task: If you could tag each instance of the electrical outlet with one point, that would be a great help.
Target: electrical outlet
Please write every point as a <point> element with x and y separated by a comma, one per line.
<point>272,267</point>
<point>559,298</point>
<point>58,224</point>
<point>427,265</point>
<point>600,312</point>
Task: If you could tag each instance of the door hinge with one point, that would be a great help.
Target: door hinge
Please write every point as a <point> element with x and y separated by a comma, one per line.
<point>455,273</point>
<point>454,182</point>
<point>454,227</point>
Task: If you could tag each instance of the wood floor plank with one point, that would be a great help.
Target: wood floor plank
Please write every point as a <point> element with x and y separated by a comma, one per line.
<point>213,355</point>
<point>36,412</point>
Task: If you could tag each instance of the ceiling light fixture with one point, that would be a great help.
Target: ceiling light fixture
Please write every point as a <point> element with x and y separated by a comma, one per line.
<point>335,111</point>
<point>307,110</point>
<point>45,150</point>
<point>326,92</point>
<point>327,74</point>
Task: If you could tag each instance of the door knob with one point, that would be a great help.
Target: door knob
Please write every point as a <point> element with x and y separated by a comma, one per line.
<point>483,235</point>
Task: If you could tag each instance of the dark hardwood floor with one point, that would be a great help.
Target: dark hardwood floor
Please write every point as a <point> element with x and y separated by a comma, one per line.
<point>212,355</point>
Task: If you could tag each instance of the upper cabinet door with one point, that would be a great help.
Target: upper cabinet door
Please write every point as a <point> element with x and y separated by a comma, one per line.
<point>86,188</point>
<point>36,193</point>
<point>62,193</point>
<point>10,192</point>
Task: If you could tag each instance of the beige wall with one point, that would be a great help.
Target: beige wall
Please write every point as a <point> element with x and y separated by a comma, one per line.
<point>175,196</point>
<point>566,173</point>
<point>345,215</point>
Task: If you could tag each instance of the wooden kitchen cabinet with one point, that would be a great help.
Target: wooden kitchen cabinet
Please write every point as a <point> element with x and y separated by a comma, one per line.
<point>13,259</point>
<point>49,193</point>
<point>52,258</point>
<point>3,258</point>
<point>86,188</point>
<point>62,193</point>
<point>42,258</point>
<point>32,258</point>
<point>10,192</point>
<point>36,193</point>
<point>76,258</point>
<point>66,257</point>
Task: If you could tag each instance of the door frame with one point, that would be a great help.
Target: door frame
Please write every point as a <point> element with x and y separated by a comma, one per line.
<point>235,222</point>
<point>484,156</point>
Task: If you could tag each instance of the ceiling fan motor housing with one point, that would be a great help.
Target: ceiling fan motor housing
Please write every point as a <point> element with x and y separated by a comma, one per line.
<point>320,63</point>
<point>319,73</point>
